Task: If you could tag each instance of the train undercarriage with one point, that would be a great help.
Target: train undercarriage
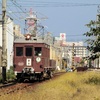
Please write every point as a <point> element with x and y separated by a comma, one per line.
<point>36,76</point>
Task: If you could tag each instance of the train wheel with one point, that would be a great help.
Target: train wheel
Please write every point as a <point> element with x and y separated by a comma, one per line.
<point>19,80</point>
<point>49,74</point>
<point>40,77</point>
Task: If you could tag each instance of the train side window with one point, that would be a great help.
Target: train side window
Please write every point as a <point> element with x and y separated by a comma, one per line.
<point>38,51</point>
<point>19,51</point>
<point>28,51</point>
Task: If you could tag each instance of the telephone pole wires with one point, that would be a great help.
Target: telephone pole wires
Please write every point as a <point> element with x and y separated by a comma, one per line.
<point>4,47</point>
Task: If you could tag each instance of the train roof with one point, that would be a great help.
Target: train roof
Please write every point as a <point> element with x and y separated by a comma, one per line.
<point>32,40</point>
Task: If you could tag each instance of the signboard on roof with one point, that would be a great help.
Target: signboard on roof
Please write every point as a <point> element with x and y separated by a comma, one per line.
<point>62,36</point>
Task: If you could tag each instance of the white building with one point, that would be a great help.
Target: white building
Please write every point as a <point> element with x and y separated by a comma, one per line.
<point>79,49</point>
<point>9,40</point>
<point>80,43</point>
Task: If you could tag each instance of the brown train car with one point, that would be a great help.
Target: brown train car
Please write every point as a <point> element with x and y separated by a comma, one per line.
<point>32,59</point>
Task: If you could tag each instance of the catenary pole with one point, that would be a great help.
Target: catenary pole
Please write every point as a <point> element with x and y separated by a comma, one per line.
<point>4,49</point>
<point>73,55</point>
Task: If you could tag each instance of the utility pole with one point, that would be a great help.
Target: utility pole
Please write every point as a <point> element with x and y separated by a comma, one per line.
<point>4,50</point>
<point>73,55</point>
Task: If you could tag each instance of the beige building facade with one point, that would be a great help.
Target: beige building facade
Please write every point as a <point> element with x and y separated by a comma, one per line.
<point>17,31</point>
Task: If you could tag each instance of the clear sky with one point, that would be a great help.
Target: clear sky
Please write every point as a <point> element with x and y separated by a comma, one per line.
<point>64,16</point>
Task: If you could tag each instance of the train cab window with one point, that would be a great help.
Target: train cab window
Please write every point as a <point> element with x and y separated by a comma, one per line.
<point>28,51</point>
<point>38,51</point>
<point>19,51</point>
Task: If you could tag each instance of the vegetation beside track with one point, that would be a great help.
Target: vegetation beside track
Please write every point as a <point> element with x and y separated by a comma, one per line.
<point>70,86</point>
<point>9,75</point>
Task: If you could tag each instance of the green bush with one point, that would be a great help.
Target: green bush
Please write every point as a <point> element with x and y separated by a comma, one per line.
<point>10,74</point>
<point>93,80</point>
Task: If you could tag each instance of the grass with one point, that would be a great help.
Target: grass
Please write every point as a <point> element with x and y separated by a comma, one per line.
<point>70,86</point>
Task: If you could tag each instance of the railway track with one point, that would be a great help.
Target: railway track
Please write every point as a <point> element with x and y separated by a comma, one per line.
<point>7,84</point>
<point>15,87</point>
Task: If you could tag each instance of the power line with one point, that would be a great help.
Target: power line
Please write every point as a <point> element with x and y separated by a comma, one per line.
<point>15,13</point>
<point>49,4</point>
<point>57,2</point>
<point>29,3</point>
<point>19,6</point>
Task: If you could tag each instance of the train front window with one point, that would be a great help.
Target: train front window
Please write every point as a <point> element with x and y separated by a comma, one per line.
<point>19,51</point>
<point>38,51</point>
<point>28,51</point>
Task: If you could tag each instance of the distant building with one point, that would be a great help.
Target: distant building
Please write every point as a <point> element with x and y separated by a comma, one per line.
<point>66,48</point>
<point>56,52</point>
<point>17,31</point>
<point>80,51</point>
<point>80,43</point>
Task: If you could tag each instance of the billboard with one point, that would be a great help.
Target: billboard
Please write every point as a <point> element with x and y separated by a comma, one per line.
<point>62,36</point>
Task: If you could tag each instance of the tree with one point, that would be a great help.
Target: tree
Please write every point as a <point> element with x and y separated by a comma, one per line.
<point>93,40</point>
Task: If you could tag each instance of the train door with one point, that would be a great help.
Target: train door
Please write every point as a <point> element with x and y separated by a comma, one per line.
<point>29,56</point>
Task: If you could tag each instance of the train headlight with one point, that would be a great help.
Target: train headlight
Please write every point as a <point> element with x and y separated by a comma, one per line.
<point>28,37</point>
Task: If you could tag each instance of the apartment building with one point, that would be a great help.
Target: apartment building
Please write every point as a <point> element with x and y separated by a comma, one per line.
<point>78,49</point>
<point>9,40</point>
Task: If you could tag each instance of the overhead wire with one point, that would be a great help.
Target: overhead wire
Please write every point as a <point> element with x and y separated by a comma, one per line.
<point>19,11</point>
<point>17,5</point>
<point>16,15</point>
<point>45,4</point>
<point>42,2</point>
<point>52,4</point>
